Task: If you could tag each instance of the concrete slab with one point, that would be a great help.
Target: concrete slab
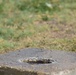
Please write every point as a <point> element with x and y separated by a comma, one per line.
<point>18,62</point>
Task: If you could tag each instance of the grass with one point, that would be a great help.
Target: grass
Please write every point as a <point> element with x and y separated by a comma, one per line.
<point>29,23</point>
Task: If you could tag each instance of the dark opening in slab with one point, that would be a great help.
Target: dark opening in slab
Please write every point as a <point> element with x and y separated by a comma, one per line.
<point>35,60</point>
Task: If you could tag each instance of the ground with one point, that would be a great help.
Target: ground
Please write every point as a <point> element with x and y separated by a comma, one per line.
<point>23,26</point>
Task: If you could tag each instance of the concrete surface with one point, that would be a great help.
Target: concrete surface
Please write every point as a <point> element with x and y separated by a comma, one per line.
<point>12,63</point>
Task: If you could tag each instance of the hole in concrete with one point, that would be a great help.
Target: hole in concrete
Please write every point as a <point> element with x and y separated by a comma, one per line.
<point>35,60</point>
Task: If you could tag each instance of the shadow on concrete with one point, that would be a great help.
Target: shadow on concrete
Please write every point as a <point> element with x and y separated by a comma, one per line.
<point>8,71</point>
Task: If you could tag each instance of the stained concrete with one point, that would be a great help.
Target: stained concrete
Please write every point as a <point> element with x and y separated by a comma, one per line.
<point>64,63</point>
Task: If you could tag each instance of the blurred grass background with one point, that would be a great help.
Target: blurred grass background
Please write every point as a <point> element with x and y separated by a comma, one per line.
<point>48,24</point>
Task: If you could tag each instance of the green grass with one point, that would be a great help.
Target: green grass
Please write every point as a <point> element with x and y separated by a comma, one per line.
<point>32,23</point>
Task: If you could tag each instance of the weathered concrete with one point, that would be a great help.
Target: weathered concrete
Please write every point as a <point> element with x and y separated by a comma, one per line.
<point>44,62</point>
